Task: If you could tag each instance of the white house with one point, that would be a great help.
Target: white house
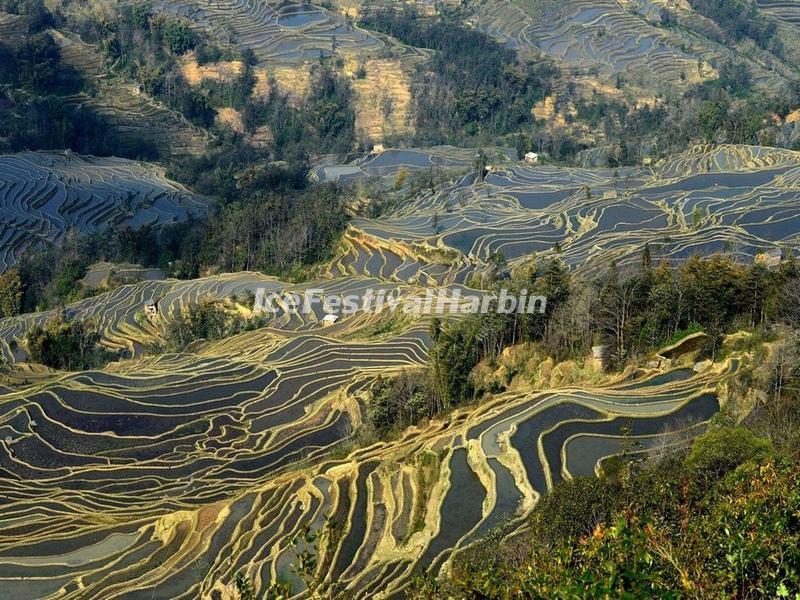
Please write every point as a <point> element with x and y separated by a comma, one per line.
<point>531,158</point>
<point>151,309</point>
<point>329,320</point>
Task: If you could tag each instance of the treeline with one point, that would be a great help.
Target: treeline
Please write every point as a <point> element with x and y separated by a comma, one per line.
<point>473,87</point>
<point>740,19</point>
<point>633,313</point>
<point>273,233</point>
<point>730,109</point>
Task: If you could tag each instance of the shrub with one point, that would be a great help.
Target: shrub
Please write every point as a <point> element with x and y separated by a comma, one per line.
<point>720,451</point>
<point>69,345</point>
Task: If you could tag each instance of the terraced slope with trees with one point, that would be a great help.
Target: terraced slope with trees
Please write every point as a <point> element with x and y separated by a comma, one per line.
<point>235,451</point>
<point>736,199</point>
<point>43,196</point>
<point>631,162</point>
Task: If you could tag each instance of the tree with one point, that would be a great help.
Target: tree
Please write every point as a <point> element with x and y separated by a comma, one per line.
<point>479,164</point>
<point>647,258</point>
<point>64,344</point>
<point>10,293</point>
<point>178,36</point>
<point>618,300</point>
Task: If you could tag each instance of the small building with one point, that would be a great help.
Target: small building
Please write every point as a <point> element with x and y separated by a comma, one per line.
<point>770,258</point>
<point>329,320</point>
<point>531,158</point>
<point>151,309</point>
<point>378,148</point>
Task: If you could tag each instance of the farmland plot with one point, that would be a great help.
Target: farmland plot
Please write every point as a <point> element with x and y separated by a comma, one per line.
<point>737,199</point>
<point>44,195</point>
<point>167,482</point>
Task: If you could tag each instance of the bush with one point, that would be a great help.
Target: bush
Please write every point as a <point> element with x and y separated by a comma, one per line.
<point>202,321</point>
<point>400,402</point>
<point>574,508</point>
<point>720,451</point>
<point>68,345</point>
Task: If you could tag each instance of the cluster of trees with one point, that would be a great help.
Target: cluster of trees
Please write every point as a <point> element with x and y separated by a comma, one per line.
<point>146,47</point>
<point>51,276</point>
<point>276,233</point>
<point>399,402</point>
<point>10,293</point>
<point>631,312</point>
<point>68,344</point>
<point>208,320</point>
<point>740,19</point>
<point>473,87</point>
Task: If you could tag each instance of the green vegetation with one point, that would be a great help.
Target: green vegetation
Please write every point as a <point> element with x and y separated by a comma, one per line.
<point>399,402</point>
<point>633,313</point>
<point>473,87</point>
<point>740,19</point>
<point>202,321</point>
<point>67,344</point>
<point>718,521</point>
<point>10,293</point>
<point>277,233</point>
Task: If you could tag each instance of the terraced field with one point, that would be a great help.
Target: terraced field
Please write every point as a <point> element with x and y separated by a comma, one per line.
<point>117,488</point>
<point>118,313</point>
<point>132,117</point>
<point>737,199</point>
<point>787,11</point>
<point>166,476</point>
<point>44,195</point>
<point>610,37</point>
<point>277,32</point>
<point>390,161</point>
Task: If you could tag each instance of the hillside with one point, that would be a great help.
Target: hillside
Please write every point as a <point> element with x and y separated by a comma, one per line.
<point>364,299</point>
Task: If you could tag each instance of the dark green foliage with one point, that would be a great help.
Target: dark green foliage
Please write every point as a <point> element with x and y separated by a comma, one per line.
<point>740,19</point>
<point>722,450</point>
<point>473,86</point>
<point>574,509</point>
<point>397,403</point>
<point>179,37</point>
<point>276,233</point>
<point>460,345</point>
<point>10,293</point>
<point>634,313</point>
<point>64,344</point>
<point>209,321</point>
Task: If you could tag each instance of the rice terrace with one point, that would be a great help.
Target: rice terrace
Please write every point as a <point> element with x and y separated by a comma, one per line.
<point>627,172</point>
